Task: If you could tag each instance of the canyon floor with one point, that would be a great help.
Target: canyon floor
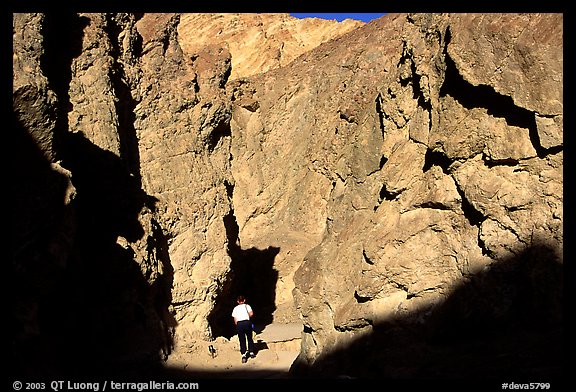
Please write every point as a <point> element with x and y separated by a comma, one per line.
<point>277,346</point>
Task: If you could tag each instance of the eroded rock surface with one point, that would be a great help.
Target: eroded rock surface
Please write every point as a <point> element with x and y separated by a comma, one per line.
<point>258,42</point>
<point>396,187</point>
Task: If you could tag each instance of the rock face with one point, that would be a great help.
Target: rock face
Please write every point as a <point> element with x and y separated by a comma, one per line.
<point>396,187</point>
<point>258,42</point>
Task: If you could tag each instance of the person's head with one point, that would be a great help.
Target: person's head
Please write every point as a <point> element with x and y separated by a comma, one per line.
<point>240,299</point>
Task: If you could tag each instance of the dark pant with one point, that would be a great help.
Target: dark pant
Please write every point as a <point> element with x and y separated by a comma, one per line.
<point>244,329</point>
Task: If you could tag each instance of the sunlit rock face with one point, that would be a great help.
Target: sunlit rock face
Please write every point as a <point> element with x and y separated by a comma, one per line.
<point>258,42</point>
<point>444,218</point>
<point>396,187</point>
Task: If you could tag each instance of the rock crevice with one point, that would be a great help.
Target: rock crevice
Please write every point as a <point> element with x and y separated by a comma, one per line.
<point>394,187</point>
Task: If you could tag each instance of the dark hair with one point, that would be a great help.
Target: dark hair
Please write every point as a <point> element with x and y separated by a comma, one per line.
<point>240,298</point>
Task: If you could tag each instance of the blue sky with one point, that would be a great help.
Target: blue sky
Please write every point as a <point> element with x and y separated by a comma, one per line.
<point>340,16</point>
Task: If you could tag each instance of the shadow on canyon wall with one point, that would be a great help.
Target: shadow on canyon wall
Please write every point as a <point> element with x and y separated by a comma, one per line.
<point>79,300</point>
<point>81,303</point>
<point>93,312</point>
<point>252,275</point>
<point>503,323</point>
<point>82,306</point>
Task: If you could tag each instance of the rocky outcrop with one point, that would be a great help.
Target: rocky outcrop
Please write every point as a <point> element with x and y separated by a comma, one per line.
<point>258,42</point>
<point>395,186</point>
<point>450,191</point>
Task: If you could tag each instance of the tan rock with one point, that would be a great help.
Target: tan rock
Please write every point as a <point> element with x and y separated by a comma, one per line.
<point>258,42</point>
<point>389,186</point>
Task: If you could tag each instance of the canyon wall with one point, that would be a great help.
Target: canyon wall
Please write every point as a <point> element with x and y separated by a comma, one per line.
<point>396,187</point>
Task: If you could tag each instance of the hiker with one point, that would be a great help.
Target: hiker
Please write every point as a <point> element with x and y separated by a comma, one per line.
<point>242,314</point>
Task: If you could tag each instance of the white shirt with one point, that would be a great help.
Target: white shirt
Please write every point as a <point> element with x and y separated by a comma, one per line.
<point>241,312</point>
